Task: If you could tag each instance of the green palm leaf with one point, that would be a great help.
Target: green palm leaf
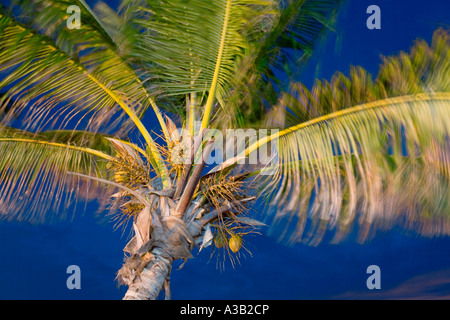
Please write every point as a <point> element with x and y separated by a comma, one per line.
<point>46,84</point>
<point>377,164</point>
<point>34,170</point>
<point>222,53</point>
<point>194,46</point>
<point>371,153</point>
<point>283,43</point>
<point>102,43</point>
<point>36,68</point>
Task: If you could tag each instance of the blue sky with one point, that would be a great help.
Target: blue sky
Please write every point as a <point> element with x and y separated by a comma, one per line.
<point>34,258</point>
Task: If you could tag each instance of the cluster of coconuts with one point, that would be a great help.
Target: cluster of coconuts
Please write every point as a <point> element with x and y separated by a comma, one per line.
<point>234,242</point>
<point>120,176</point>
<point>124,174</point>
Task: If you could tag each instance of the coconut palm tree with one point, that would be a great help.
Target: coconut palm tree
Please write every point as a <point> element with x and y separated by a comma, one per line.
<point>353,152</point>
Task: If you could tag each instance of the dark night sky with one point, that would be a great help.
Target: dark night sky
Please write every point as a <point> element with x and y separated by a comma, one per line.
<point>34,258</point>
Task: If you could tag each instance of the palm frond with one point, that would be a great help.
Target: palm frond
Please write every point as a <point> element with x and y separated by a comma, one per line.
<point>194,46</point>
<point>423,70</point>
<point>367,153</point>
<point>34,168</point>
<point>40,77</point>
<point>285,46</point>
<point>50,89</point>
<point>101,44</point>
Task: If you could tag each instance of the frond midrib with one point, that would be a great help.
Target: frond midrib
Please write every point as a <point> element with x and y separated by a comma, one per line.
<point>363,107</point>
<point>95,152</point>
<point>212,90</point>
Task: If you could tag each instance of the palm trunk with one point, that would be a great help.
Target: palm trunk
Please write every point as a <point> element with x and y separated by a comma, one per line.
<point>151,280</point>
<point>151,263</point>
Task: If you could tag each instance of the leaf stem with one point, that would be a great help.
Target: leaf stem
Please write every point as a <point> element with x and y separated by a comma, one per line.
<point>212,90</point>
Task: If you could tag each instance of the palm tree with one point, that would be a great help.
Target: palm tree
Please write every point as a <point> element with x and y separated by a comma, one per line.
<point>354,152</point>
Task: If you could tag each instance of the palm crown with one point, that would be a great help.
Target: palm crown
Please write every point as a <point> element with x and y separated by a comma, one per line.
<point>355,150</point>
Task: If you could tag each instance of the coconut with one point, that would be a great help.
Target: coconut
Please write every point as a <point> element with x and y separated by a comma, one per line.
<point>235,243</point>
<point>220,240</point>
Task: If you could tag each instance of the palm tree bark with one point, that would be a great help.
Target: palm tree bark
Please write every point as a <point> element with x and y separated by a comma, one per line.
<point>147,270</point>
<point>148,284</point>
